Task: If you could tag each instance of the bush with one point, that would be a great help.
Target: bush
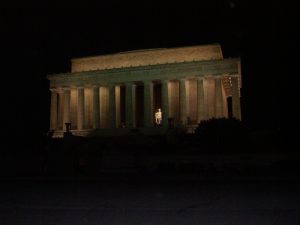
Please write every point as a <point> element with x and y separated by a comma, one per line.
<point>222,132</point>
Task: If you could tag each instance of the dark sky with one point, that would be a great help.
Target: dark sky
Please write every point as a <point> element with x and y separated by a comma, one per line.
<point>41,39</point>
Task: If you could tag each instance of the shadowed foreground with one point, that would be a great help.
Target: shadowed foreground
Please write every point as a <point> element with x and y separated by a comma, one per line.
<point>173,179</point>
<point>107,202</point>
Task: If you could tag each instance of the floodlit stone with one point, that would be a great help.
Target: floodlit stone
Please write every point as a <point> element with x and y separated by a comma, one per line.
<point>124,90</point>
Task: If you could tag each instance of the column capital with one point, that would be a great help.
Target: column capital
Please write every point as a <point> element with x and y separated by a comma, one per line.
<point>66,88</point>
<point>59,90</point>
<point>88,85</point>
<point>200,77</point>
<point>129,83</point>
<point>234,75</point>
<point>148,82</point>
<point>73,87</point>
<point>53,90</point>
<point>112,84</point>
<point>208,76</point>
<point>219,76</point>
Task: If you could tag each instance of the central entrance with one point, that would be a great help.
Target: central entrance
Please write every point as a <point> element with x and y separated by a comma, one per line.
<point>139,103</point>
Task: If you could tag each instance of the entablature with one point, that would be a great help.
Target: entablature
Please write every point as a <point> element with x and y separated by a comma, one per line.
<point>147,73</point>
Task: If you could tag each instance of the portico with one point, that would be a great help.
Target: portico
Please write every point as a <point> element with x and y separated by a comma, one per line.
<point>124,90</point>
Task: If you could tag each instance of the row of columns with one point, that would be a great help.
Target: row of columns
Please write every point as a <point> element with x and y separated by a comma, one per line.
<point>61,98</point>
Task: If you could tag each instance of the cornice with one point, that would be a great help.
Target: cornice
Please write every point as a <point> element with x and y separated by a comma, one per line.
<point>147,68</point>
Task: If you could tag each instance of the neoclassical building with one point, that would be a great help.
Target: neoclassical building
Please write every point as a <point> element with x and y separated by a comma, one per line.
<point>111,94</point>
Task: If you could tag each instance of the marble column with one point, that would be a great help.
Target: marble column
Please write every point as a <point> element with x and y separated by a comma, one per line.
<point>210,95</point>
<point>165,102</point>
<point>60,109</point>
<point>66,113</point>
<point>104,107</point>
<point>80,109</point>
<point>53,114</point>
<point>96,107</point>
<point>112,106</point>
<point>201,106</point>
<point>236,106</point>
<point>219,98</point>
<point>130,101</point>
<point>118,105</point>
<point>148,104</point>
<point>183,101</point>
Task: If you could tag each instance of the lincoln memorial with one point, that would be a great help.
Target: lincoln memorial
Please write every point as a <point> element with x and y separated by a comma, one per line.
<point>113,94</point>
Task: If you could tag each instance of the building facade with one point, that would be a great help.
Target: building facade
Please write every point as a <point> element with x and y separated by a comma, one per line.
<point>115,93</point>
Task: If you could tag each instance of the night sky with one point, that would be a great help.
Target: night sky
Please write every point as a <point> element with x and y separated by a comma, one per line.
<point>41,39</point>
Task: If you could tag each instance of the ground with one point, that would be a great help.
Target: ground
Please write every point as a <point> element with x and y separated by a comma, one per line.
<point>208,202</point>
